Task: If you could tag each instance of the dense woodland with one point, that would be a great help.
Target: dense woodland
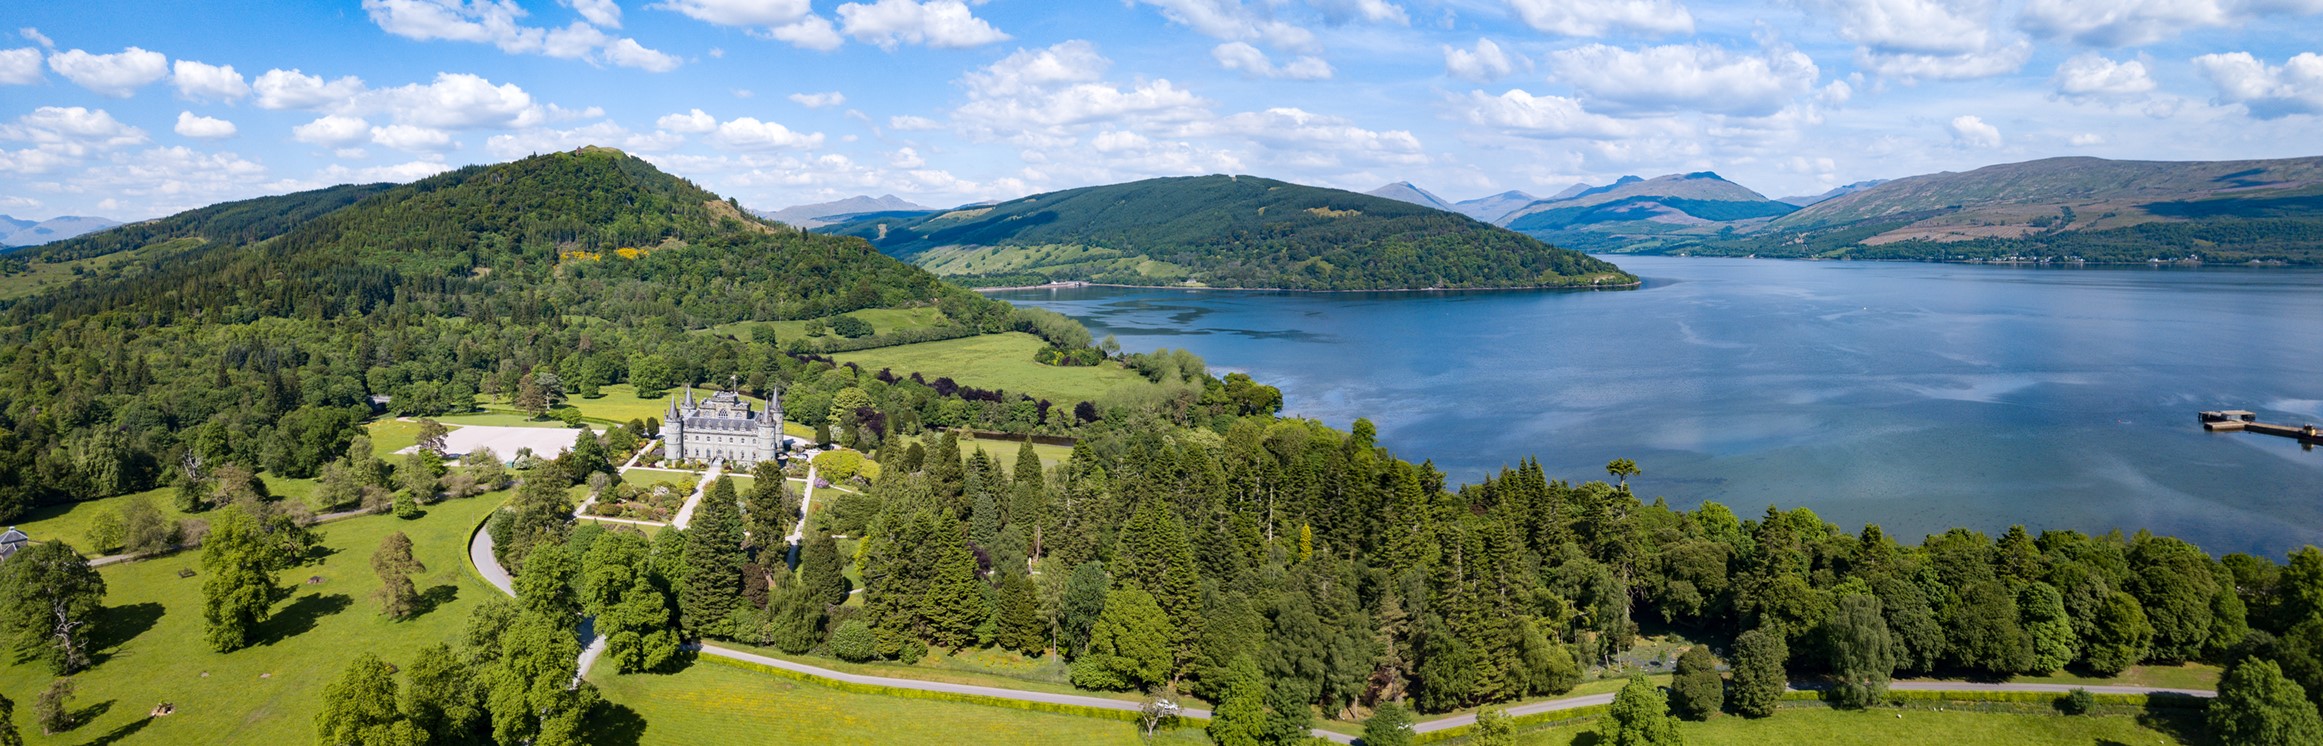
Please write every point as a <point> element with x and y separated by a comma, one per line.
<point>1246,232</point>
<point>2214,239</point>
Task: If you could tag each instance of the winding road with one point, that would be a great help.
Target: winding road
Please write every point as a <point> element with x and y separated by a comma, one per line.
<point>480,554</point>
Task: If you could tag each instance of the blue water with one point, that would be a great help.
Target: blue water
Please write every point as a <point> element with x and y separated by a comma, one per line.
<point>1916,396</point>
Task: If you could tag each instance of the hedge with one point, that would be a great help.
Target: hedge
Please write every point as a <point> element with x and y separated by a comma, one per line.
<point>1128,716</point>
<point>1521,721</point>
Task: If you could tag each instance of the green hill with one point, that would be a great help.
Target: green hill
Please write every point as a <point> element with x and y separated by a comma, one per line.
<point>2066,209</point>
<point>1641,214</point>
<point>256,332</point>
<point>1224,231</point>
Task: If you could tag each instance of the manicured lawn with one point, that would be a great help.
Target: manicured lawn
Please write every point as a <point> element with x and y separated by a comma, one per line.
<point>69,523</point>
<point>2186,676</point>
<point>710,703</point>
<point>390,435</point>
<point>998,361</point>
<point>1005,450</point>
<point>1827,727</point>
<point>149,649</point>
<point>882,320</point>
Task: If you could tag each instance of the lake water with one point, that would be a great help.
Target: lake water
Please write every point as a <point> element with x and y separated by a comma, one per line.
<point>1917,396</point>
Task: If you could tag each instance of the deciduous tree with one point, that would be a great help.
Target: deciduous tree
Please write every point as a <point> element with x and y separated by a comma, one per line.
<point>52,598</point>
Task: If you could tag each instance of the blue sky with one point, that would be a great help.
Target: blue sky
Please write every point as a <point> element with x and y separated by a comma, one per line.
<point>127,109</point>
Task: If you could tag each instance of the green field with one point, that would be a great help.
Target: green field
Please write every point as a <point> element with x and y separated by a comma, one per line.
<point>149,649</point>
<point>1823,726</point>
<point>45,276</point>
<point>1005,450</point>
<point>496,419</point>
<point>882,320</point>
<point>998,361</point>
<point>69,522</point>
<point>712,703</point>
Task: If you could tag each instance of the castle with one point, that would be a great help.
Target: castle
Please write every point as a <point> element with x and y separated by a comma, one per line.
<point>722,427</point>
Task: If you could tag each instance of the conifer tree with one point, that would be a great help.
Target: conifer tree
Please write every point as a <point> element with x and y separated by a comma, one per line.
<point>954,602</point>
<point>1862,651</point>
<point>1154,555</point>
<point>947,477</point>
<point>1017,621</point>
<point>1078,610</point>
<point>1697,691</point>
<point>713,561</point>
<point>822,571</point>
<point>1129,646</point>
<point>1759,678</point>
<point>394,564</point>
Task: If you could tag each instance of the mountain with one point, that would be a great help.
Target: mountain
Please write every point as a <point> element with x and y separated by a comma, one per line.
<point>1225,231</point>
<point>1404,191</point>
<point>1490,209</point>
<point>1576,189</point>
<point>1634,214</point>
<point>819,214</point>
<point>2068,209</point>
<point>15,232</point>
<point>259,331</point>
<point>1836,192</point>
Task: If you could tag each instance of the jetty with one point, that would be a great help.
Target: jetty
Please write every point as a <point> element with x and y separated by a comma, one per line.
<point>2230,420</point>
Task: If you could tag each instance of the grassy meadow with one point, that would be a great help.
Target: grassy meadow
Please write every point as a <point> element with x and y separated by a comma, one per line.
<point>882,321</point>
<point>999,361</point>
<point>148,644</point>
<point>1823,726</point>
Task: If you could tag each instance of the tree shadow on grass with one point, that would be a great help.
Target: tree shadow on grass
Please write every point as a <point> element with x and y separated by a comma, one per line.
<point>117,625</point>
<point>614,724</point>
<point>432,598</point>
<point>302,615</point>
<point>122,733</point>
<point>2177,715</point>
<point>90,713</point>
<point>1588,738</point>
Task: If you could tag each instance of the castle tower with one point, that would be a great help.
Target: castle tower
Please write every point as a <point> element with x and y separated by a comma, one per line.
<point>673,432</point>
<point>770,427</point>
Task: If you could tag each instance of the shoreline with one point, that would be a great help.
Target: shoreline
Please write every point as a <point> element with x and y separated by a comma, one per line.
<point>1078,284</point>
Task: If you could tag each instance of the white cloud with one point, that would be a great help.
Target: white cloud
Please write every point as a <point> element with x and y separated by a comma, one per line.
<point>2086,139</point>
<point>1933,39</point>
<point>201,82</point>
<point>2092,76</point>
<point>62,136</point>
<point>1696,77</point>
<point>118,75</point>
<point>908,123</point>
<point>2120,23</point>
<point>1230,20</point>
<point>1375,11</point>
<point>203,128</point>
<point>408,137</point>
<point>1322,139</point>
<point>1241,56</point>
<point>1042,93</point>
<point>544,140</point>
<point>2267,91</point>
<point>398,173</point>
<point>19,66</point>
<point>495,22</point>
<point>906,158</point>
<point>811,32</point>
<point>1519,112</point>
<point>35,36</point>
<point>1484,64</point>
<point>601,12</point>
<point>1600,17</point>
<point>819,100</point>
<point>1969,131</point>
<point>167,180</point>
<point>458,100</point>
<point>944,24</point>
<point>747,133</point>
<point>292,89</point>
<point>693,123</point>
<point>739,12</point>
<point>332,131</point>
<point>1981,64</point>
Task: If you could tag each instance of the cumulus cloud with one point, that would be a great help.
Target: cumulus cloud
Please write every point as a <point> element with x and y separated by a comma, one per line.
<point>457,101</point>
<point>601,12</point>
<point>2092,76</point>
<point>35,36</point>
<point>2267,91</point>
<point>1230,20</point>
<point>1697,77</point>
<point>203,128</point>
<point>399,173</point>
<point>292,89</point>
<point>496,22</point>
<point>1241,56</point>
<point>1601,17</point>
<point>118,75</point>
<point>1321,137</point>
<point>944,24</point>
<point>811,32</point>
<point>1926,39</point>
<point>1969,131</point>
<point>740,12</point>
<point>2086,139</point>
<point>1040,93</point>
<point>60,136</point>
<point>202,82</point>
<point>693,123</point>
<point>819,100</point>
<point>19,66</point>
<point>409,137</point>
<point>909,123</point>
<point>1375,11</point>
<point>2126,23</point>
<point>332,131</point>
<point>748,133</point>
<point>1519,112</point>
<point>1483,64</point>
<point>546,139</point>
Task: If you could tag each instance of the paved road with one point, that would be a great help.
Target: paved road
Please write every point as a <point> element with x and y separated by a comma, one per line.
<point>111,559</point>
<point>480,555</point>
<point>804,501</point>
<point>686,512</point>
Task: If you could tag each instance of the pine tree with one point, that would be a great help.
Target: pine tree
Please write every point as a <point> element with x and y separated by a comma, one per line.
<point>713,561</point>
<point>1078,610</point>
<point>1028,498</point>
<point>394,564</point>
<point>1017,620</point>
<point>771,509</point>
<point>1129,646</point>
<point>1759,678</point>
<point>822,571</point>
<point>954,602</point>
<point>1154,555</point>
<point>1697,691</point>
<point>947,477</point>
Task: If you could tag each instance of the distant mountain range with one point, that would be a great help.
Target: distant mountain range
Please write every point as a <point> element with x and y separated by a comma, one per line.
<point>823,213</point>
<point>21,232</point>
<point>2055,209</point>
<point>1224,231</point>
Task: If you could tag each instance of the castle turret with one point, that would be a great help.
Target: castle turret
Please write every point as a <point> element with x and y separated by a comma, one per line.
<point>673,432</point>
<point>770,426</point>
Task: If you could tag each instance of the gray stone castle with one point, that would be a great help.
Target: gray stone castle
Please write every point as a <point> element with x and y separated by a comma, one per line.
<point>722,427</point>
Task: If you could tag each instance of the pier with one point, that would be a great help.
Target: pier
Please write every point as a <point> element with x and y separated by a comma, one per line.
<point>2230,420</point>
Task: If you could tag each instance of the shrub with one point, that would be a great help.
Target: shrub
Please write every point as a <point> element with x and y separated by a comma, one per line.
<point>407,507</point>
<point>2077,702</point>
<point>853,641</point>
